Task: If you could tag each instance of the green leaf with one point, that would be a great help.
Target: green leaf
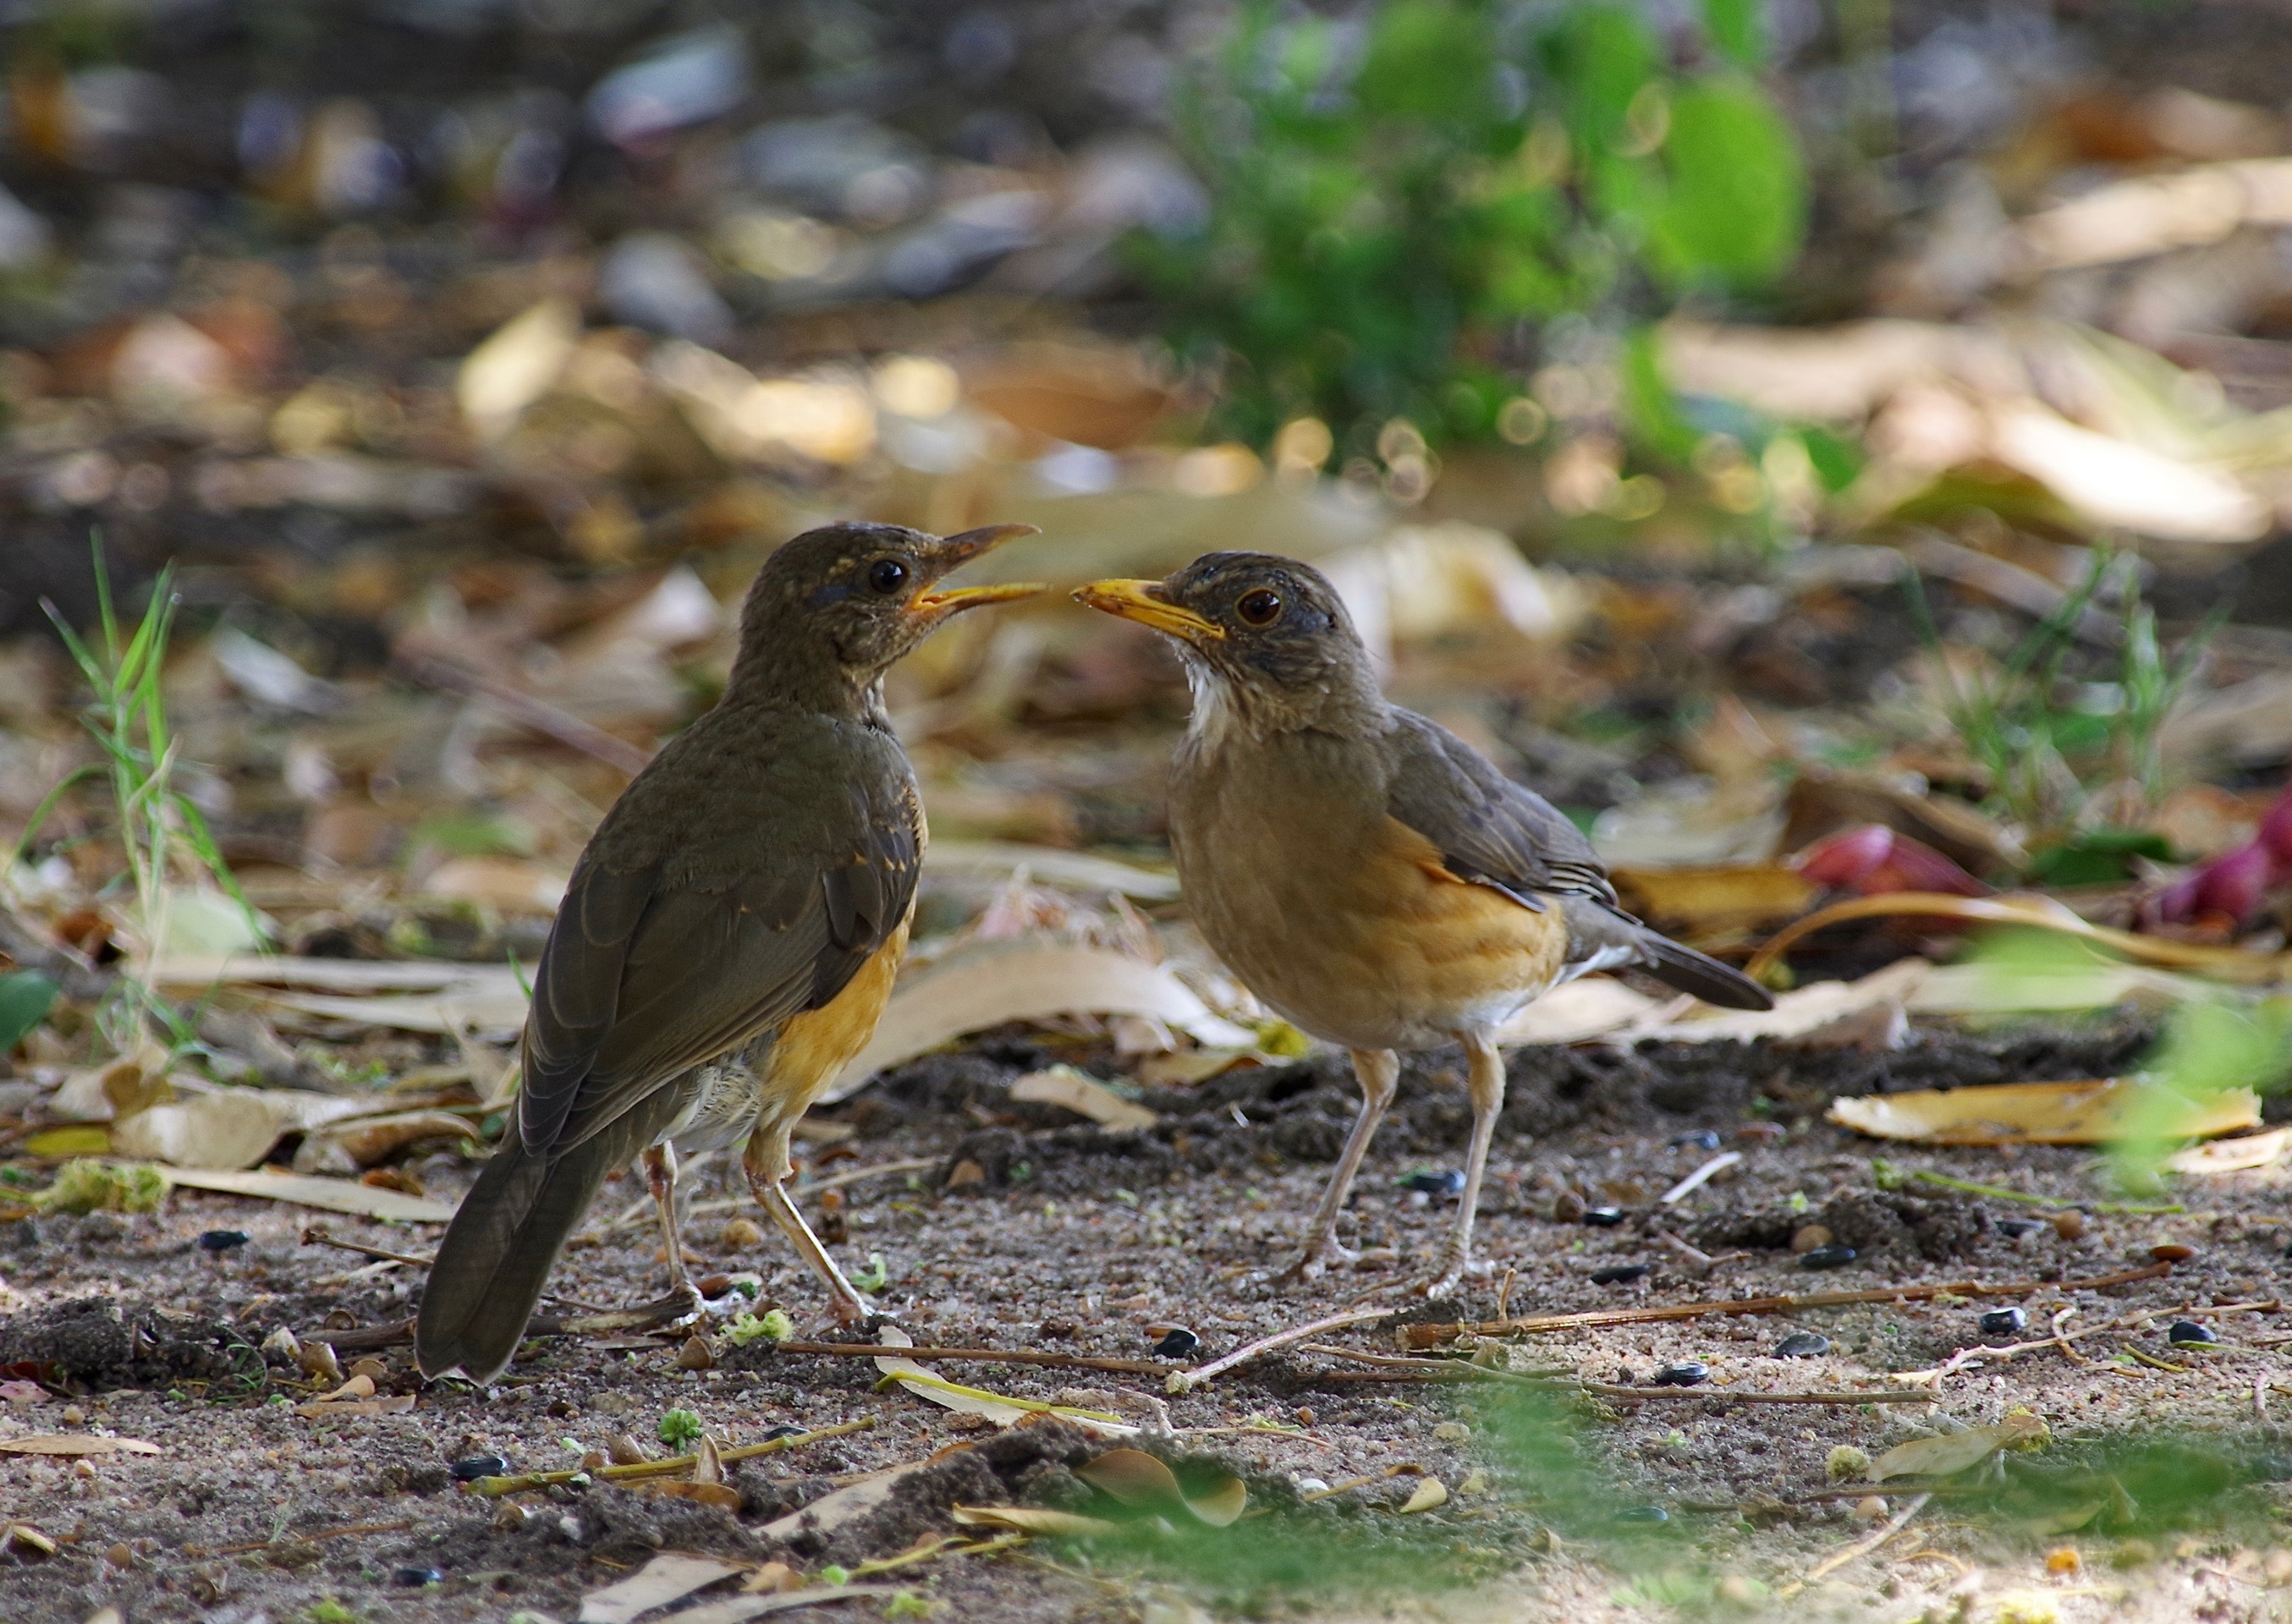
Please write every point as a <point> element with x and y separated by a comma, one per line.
<point>1600,56</point>
<point>26,997</point>
<point>1736,29</point>
<point>2098,856</point>
<point>1650,410</point>
<point>1837,461</point>
<point>1737,208</point>
<point>1430,59</point>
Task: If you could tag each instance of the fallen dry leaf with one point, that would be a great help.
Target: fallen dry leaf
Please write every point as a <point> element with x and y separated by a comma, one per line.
<point>517,365</point>
<point>319,1409</point>
<point>226,1128</point>
<point>324,1194</point>
<point>666,1578</point>
<point>998,860</point>
<point>1798,1013</point>
<point>1031,1520</point>
<point>2094,1113</point>
<point>1137,1478</point>
<point>993,982</point>
<point>407,995</point>
<point>831,1511</point>
<point>1709,900</point>
<point>1953,1452</point>
<point>1427,1494</point>
<point>742,1608</point>
<point>1087,1096</point>
<point>2238,1156</point>
<point>75,1444</point>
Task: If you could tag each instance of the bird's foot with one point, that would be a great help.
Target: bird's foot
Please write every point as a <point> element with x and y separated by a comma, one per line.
<point>1316,1261</point>
<point>1454,1270</point>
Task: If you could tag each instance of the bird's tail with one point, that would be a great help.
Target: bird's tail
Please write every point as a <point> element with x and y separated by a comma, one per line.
<point>1705,977</point>
<point>497,1253</point>
<point>1601,938</point>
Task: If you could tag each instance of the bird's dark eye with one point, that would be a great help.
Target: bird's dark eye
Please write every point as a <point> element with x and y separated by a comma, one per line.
<point>887,575</point>
<point>1261,607</point>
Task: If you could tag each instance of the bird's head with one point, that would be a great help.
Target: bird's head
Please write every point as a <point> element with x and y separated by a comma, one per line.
<point>1263,638</point>
<point>849,600</point>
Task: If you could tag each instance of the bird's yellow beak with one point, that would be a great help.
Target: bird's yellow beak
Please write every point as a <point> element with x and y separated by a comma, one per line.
<point>959,551</point>
<point>1143,601</point>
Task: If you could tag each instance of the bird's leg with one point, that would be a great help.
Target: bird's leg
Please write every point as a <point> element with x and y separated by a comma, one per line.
<point>1378,1073</point>
<point>766,1165</point>
<point>1484,1080</point>
<point>660,1178</point>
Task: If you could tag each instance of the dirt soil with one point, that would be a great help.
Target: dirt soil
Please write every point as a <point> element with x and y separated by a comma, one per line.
<point>1079,1241</point>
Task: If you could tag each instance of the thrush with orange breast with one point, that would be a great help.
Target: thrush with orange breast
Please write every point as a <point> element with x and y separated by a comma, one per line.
<point>728,939</point>
<point>1368,874</point>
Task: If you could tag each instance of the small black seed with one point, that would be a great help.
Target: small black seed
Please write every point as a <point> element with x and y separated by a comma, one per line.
<point>471,1467</point>
<point>223,1240</point>
<point>1177,1342</point>
<point>1686,1373</point>
<point>2014,1228</point>
<point>1643,1513</point>
<point>1448,1183</point>
<point>2004,1322</point>
<point>1617,1274</point>
<point>1803,1345</point>
<point>1702,1138</point>
<point>2188,1333</point>
<point>1828,1258</point>
<point>1603,1217</point>
<point>414,1579</point>
<point>784,1431</point>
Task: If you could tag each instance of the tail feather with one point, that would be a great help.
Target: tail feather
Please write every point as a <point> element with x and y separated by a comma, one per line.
<point>1705,977</point>
<point>497,1253</point>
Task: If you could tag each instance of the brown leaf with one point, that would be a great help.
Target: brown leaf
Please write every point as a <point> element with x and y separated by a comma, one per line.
<point>1032,1520</point>
<point>1953,1452</point>
<point>2094,1113</point>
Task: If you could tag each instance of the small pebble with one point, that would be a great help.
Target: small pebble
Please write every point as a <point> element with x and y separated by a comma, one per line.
<point>1811,1237</point>
<point>74,1415</point>
<point>2188,1333</point>
<point>1621,1274</point>
<point>1603,1217</point>
<point>471,1467</point>
<point>1803,1345</point>
<point>1567,1207</point>
<point>1453,1432</point>
<point>120,1556</point>
<point>2014,1228</point>
<point>741,1233</point>
<point>1312,1485</point>
<point>2172,1251</point>
<point>1644,1514</point>
<point>1702,1138</point>
<point>223,1240</point>
<point>84,1470</point>
<point>1177,1342</point>
<point>1869,1508</point>
<point>2004,1322</point>
<point>2070,1225</point>
<point>414,1579</point>
<point>1828,1258</point>
<point>1686,1373</point>
<point>1448,1183</point>
<point>2063,1559</point>
<point>1304,1413</point>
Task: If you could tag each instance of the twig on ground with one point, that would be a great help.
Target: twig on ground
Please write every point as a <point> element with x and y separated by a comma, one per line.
<point>1504,1294</point>
<point>319,1235</point>
<point>494,1487</point>
<point>244,1546</point>
<point>1457,1370</point>
<point>1998,1192</point>
<point>1861,1548</point>
<point>1432,1336</point>
<point>667,1311</point>
<point>1695,1180</point>
<point>1693,1258</point>
<point>984,1355</point>
<point>1184,1381</point>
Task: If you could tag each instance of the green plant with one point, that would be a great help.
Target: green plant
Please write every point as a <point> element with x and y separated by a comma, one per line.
<point>1395,204</point>
<point>680,1429</point>
<point>161,831</point>
<point>773,1325</point>
<point>2047,745</point>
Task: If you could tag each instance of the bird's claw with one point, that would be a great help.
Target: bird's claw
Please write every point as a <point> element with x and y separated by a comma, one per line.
<point>1316,1261</point>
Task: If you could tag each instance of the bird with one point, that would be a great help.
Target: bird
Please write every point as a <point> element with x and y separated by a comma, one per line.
<point>728,938</point>
<point>1368,874</point>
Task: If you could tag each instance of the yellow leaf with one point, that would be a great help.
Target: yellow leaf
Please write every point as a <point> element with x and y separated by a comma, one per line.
<point>74,1139</point>
<point>1031,1520</point>
<point>1954,1452</point>
<point>2093,1113</point>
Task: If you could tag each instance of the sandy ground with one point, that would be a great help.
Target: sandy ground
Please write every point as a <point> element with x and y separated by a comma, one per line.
<point>1081,1241</point>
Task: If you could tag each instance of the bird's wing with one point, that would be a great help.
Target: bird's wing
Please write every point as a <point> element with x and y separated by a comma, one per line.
<point>648,973</point>
<point>1488,830</point>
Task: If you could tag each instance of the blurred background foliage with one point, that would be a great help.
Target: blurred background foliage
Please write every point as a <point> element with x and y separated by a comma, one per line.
<point>1397,205</point>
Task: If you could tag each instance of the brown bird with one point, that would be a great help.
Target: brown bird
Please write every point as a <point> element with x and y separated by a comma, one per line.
<point>728,939</point>
<point>1368,874</point>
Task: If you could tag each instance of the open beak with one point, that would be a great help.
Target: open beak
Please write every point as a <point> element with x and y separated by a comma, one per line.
<point>1143,601</point>
<point>959,551</point>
